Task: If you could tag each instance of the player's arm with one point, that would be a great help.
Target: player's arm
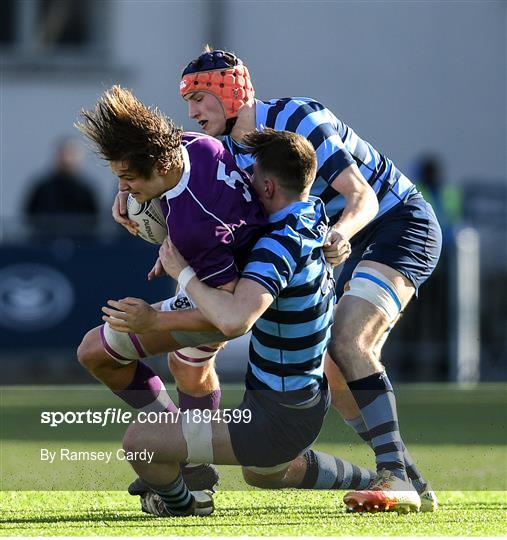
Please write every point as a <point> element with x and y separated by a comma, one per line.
<point>232,312</point>
<point>361,206</point>
<point>136,315</point>
<point>338,168</point>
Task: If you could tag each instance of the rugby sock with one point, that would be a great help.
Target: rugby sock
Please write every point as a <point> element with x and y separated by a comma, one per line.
<point>324,471</point>
<point>209,401</point>
<point>176,496</point>
<point>358,425</point>
<point>147,391</point>
<point>375,398</point>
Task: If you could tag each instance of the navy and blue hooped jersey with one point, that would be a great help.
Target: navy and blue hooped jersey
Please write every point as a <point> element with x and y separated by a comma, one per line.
<point>337,146</point>
<point>289,340</point>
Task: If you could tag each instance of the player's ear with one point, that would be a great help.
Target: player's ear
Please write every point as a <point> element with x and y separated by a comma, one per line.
<point>269,188</point>
<point>162,169</point>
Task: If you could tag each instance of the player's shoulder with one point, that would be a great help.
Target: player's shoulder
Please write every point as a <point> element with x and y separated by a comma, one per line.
<point>295,101</point>
<point>306,222</point>
<point>200,143</point>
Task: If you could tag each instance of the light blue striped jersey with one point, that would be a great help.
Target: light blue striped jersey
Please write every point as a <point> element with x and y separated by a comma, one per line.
<point>289,340</point>
<point>337,146</point>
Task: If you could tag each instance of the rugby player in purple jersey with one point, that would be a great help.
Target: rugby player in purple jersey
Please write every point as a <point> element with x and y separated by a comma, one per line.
<point>214,217</point>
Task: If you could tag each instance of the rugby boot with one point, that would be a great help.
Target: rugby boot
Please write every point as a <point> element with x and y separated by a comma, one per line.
<point>429,501</point>
<point>201,477</point>
<point>138,487</point>
<point>386,493</point>
<point>203,505</point>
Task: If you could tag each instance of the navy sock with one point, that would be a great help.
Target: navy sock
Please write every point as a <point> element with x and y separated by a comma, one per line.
<point>358,425</point>
<point>375,398</point>
<point>324,471</point>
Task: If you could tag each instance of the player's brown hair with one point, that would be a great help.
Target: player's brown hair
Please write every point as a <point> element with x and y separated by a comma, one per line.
<point>124,129</point>
<point>286,155</point>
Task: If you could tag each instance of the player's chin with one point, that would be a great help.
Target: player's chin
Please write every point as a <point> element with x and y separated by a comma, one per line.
<point>212,130</point>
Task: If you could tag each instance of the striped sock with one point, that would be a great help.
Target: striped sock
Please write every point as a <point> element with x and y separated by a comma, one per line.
<point>358,425</point>
<point>176,496</point>
<point>375,398</point>
<point>147,391</point>
<point>324,471</point>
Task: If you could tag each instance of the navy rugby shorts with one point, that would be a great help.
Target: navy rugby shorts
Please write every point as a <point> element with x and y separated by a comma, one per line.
<point>276,433</point>
<point>407,238</point>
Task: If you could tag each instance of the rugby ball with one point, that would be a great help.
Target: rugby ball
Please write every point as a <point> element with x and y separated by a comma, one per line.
<point>150,218</point>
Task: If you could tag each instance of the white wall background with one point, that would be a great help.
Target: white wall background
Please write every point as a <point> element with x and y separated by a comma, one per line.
<point>409,76</point>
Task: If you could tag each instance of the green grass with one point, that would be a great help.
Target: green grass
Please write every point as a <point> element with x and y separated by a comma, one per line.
<point>457,436</point>
<point>259,513</point>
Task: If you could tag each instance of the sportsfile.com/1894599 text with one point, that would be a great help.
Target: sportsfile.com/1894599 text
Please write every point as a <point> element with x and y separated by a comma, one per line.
<point>112,415</point>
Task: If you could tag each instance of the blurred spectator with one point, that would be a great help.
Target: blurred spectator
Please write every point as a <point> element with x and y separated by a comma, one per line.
<point>443,196</point>
<point>61,202</point>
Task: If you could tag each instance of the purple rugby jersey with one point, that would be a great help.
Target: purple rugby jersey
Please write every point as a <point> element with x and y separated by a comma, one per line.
<point>213,214</point>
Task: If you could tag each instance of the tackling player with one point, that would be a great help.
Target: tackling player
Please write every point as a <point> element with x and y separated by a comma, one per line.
<point>286,296</point>
<point>395,238</point>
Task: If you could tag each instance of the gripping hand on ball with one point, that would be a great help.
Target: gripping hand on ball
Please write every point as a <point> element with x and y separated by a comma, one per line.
<point>119,212</point>
<point>130,315</point>
<point>336,248</point>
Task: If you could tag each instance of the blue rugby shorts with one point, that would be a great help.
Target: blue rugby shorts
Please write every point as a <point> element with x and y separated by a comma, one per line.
<point>407,238</point>
<point>276,433</point>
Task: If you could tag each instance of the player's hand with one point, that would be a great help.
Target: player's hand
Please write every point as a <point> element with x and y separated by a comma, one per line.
<point>130,315</point>
<point>171,259</point>
<point>157,270</point>
<point>336,248</point>
<point>119,211</point>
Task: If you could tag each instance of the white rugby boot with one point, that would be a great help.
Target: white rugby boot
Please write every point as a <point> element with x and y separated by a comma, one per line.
<point>429,501</point>
<point>203,505</point>
<point>386,493</point>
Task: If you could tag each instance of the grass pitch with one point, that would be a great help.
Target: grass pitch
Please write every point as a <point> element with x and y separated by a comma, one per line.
<point>457,437</point>
<point>246,513</point>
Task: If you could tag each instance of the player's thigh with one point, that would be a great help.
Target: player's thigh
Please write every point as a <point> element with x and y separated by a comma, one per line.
<point>403,287</point>
<point>357,325</point>
<point>371,303</point>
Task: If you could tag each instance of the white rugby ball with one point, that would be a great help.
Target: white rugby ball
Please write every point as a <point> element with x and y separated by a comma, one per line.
<point>149,217</point>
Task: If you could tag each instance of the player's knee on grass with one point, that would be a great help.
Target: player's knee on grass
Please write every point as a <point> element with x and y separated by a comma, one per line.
<point>266,477</point>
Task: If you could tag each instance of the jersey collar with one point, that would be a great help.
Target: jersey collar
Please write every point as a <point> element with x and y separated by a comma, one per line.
<point>293,208</point>
<point>185,177</point>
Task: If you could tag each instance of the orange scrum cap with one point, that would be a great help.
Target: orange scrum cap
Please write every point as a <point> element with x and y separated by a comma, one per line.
<point>212,72</point>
